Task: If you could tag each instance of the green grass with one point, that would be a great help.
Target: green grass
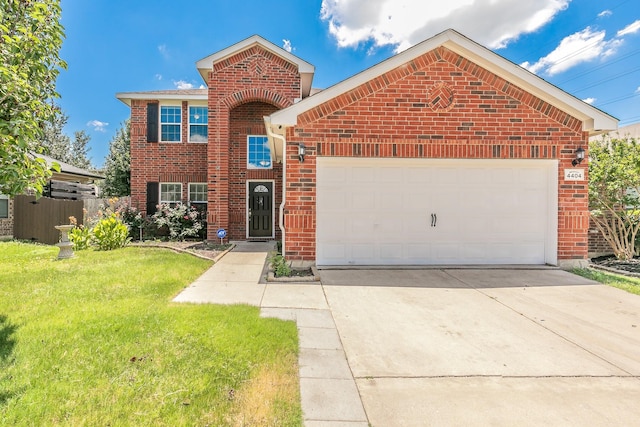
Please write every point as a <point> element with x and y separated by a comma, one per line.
<point>96,340</point>
<point>629,284</point>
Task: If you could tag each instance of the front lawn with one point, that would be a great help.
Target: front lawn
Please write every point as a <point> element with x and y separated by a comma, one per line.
<point>96,340</point>
<point>627,283</point>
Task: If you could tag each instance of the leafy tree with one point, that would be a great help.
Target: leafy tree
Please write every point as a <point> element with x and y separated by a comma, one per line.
<point>117,165</point>
<point>79,150</point>
<point>614,192</point>
<point>30,40</point>
<point>54,142</point>
<point>57,144</point>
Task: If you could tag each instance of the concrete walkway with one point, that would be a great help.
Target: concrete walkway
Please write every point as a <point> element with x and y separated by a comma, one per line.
<point>328,390</point>
<point>447,346</point>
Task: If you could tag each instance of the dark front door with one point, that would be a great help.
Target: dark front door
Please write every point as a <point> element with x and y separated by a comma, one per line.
<point>260,209</point>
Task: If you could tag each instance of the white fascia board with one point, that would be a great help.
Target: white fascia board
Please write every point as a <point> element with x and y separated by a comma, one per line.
<point>127,97</point>
<point>594,120</point>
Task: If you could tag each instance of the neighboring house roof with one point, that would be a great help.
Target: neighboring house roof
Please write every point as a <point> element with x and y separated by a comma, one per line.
<point>629,131</point>
<point>305,69</point>
<point>178,94</point>
<point>594,120</point>
<point>69,172</point>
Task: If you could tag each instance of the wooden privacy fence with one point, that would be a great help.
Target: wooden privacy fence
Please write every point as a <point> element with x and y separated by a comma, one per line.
<point>35,219</point>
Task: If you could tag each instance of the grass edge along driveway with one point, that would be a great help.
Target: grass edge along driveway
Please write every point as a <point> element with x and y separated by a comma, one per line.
<point>626,283</point>
<point>96,340</point>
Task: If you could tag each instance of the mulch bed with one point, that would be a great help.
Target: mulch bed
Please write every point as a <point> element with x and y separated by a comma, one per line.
<point>611,262</point>
<point>202,249</point>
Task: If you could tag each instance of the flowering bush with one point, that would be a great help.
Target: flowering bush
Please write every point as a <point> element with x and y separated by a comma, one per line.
<point>181,221</point>
<point>80,236</point>
<point>133,219</point>
<point>110,233</point>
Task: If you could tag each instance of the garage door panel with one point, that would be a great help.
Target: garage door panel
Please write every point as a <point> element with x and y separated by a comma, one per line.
<point>391,251</point>
<point>386,199</point>
<point>488,212</point>
<point>362,253</point>
<point>363,201</point>
<point>333,253</point>
<point>417,252</point>
<point>334,200</point>
<point>389,175</point>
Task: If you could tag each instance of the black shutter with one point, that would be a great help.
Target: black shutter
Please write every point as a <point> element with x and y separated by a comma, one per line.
<point>152,122</point>
<point>153,196</point>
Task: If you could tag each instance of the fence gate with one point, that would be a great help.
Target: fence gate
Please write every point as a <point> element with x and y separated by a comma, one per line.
<point>35,219</point>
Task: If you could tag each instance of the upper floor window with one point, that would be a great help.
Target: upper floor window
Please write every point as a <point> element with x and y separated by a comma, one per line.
<point>170,124</point>
<point>170,193</point>
<point>4,206</point>
<point>197,124</point>
<point>258,152</point>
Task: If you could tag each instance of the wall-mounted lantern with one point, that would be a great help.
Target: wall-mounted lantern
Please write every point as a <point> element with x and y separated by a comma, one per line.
<point>302,150</point>
<point>579,156</point>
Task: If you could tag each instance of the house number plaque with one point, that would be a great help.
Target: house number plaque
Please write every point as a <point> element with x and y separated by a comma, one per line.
<point>574,174</point>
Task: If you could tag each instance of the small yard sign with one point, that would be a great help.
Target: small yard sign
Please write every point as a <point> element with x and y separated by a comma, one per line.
<point>574,174</point>
<point>222,233</point>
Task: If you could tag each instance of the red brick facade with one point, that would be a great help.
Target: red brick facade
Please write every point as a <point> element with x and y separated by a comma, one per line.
<point>180,162</point>
<point>242,89</point>
<point>398,115</point>
<point>437,104</point>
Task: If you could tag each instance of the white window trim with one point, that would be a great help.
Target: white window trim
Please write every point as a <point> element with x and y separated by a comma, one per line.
<point>249,166</point>
<point>160,123</point>
<point>189,191</point>
<point>199,104</point>
<point>160,193</point>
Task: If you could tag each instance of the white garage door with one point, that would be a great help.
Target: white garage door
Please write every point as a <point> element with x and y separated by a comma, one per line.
<point>432,211</point>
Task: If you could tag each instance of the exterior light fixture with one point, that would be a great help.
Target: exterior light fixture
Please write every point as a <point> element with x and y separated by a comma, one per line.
<point>579,156</point>
<point>302,150</point>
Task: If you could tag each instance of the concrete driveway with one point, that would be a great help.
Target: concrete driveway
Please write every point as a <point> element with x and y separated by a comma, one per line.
<point>458,347</point>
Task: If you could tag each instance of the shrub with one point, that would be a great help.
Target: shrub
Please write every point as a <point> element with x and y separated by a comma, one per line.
<point>110,233</point>
<point>133,219</point>
<point>181,221</point>
<point>280,266</point>
<point>80,236</point>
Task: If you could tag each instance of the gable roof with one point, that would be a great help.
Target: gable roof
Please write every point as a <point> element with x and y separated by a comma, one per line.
<point>69,172</point>
<point>594,120</point>
<point>305,69</point>
<point>164,95</point>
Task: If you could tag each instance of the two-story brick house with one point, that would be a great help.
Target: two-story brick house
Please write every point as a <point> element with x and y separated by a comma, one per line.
<point>445,153</point>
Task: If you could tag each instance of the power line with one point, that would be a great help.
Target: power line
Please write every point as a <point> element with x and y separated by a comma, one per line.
<point>591,70</point>
<point>615,77</point>
<point>556,41</point>
<point>613,101</point>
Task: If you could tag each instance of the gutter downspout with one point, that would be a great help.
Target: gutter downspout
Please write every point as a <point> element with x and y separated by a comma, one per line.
<point>271,134</point>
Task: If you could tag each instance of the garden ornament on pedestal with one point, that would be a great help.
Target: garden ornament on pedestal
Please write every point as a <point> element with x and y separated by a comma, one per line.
<point>65,245</point>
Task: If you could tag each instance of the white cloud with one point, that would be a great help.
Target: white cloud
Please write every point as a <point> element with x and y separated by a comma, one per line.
<point>583,46</point>
<point>181,84</point>
<point>605,13</point>
<point>159,76</point>
<point>629,29</point>
<point>403,23</point>
<point>589,100</point>
<point>286,45</point>
<point>638,90</point>
<point>97,125</point>
<point>163,51</point>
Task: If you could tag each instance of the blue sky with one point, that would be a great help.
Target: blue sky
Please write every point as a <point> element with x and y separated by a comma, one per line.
<point>589,48</point>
